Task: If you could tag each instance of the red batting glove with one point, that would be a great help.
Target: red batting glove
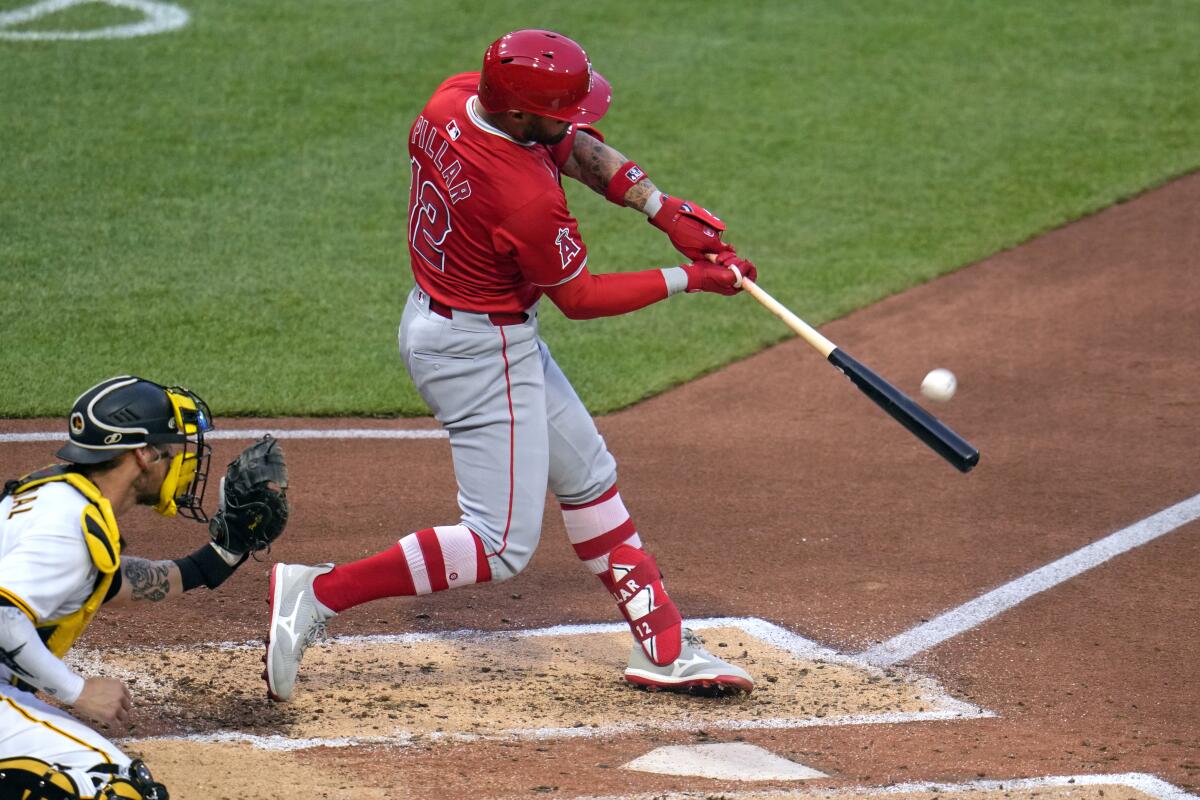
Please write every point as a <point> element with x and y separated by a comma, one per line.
<point>693,230</point>
<point>723,277</point>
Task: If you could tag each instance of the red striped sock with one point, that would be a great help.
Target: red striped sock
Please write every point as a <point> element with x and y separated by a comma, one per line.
<point>602,528</point>
<point>426,561</point>
<point>597,528</point>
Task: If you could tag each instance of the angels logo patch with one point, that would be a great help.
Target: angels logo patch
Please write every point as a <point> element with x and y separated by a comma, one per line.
<point>568,248</point>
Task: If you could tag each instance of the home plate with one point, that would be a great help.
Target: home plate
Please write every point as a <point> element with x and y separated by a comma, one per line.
<point>733,761</point>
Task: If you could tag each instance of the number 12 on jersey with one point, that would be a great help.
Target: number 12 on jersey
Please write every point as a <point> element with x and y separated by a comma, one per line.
<point>428,220</point>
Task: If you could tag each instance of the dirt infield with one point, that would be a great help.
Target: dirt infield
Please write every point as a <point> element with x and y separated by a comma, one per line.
<point>488,687</point>
<point>1078,356</point>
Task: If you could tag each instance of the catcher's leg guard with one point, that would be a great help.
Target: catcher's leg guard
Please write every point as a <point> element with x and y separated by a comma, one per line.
<point>33,779</point>
<point>639,592</point>
<point>138,784</point>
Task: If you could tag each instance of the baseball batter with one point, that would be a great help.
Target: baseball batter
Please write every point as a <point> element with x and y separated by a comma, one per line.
<point>489,234</point>
<point>132,442</point>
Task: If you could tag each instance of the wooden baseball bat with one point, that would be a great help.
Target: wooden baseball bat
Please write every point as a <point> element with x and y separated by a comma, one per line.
<point>925,426</point>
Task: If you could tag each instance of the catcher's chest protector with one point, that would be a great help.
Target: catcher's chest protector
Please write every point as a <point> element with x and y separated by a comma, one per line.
<point>99,531</point>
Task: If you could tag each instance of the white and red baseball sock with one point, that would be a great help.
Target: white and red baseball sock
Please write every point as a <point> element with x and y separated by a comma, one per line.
<point>426,561</point>
<point>607,542</point>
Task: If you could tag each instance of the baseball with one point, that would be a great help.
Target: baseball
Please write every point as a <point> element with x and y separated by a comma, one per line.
<point>939,385</point>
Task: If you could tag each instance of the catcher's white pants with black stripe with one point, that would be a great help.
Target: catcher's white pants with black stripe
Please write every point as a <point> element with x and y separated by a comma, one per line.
<point>516,425</point>
<point>32,728</point>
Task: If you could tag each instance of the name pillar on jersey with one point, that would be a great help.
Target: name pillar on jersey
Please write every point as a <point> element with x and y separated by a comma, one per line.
<point>434,144</point>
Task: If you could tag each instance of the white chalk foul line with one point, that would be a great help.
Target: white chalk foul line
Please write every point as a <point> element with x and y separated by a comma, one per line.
<point>257,433</point>
<point>941,706</point>
<point>405,738</point>
<point>1138,781</point>
<point>984,607</point>
<point>158,17</point>
<point>276,742</point>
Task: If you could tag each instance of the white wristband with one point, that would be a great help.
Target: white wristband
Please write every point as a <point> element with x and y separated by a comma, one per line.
<point>653,204</point>
<point>676,279</point>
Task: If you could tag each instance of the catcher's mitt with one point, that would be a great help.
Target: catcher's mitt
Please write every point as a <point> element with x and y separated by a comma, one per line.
<point>254,509</point>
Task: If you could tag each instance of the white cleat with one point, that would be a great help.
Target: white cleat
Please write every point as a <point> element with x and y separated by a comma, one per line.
<point>297,620</point>
<point>696,670</point>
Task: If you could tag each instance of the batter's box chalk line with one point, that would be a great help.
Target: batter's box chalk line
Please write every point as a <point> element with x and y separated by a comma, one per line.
<point>1138,781</point>
<point>936,703</point>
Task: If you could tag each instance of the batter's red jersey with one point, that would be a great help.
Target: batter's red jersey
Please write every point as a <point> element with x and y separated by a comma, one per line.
<point>487,218</point>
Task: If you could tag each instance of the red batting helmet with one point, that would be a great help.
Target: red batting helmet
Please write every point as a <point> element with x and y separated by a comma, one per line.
<point>544,73</point>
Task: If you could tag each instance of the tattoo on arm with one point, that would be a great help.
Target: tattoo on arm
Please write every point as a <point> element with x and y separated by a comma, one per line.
<point>639,194</point>
<point>593,163</point>
<point>148,580</point>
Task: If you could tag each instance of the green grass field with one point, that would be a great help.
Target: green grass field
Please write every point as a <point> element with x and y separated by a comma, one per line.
<point>223,205</point>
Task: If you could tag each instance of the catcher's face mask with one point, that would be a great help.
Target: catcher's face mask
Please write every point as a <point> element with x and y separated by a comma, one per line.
<point>182,490</point>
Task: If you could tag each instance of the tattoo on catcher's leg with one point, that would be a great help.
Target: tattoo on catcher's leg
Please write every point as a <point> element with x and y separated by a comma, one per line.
<point>148,580</point>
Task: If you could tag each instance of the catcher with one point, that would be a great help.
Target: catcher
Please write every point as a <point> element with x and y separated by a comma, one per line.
<point>132,442</point>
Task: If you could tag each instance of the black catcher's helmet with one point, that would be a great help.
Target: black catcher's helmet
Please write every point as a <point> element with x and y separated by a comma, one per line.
<point>127,412</point>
